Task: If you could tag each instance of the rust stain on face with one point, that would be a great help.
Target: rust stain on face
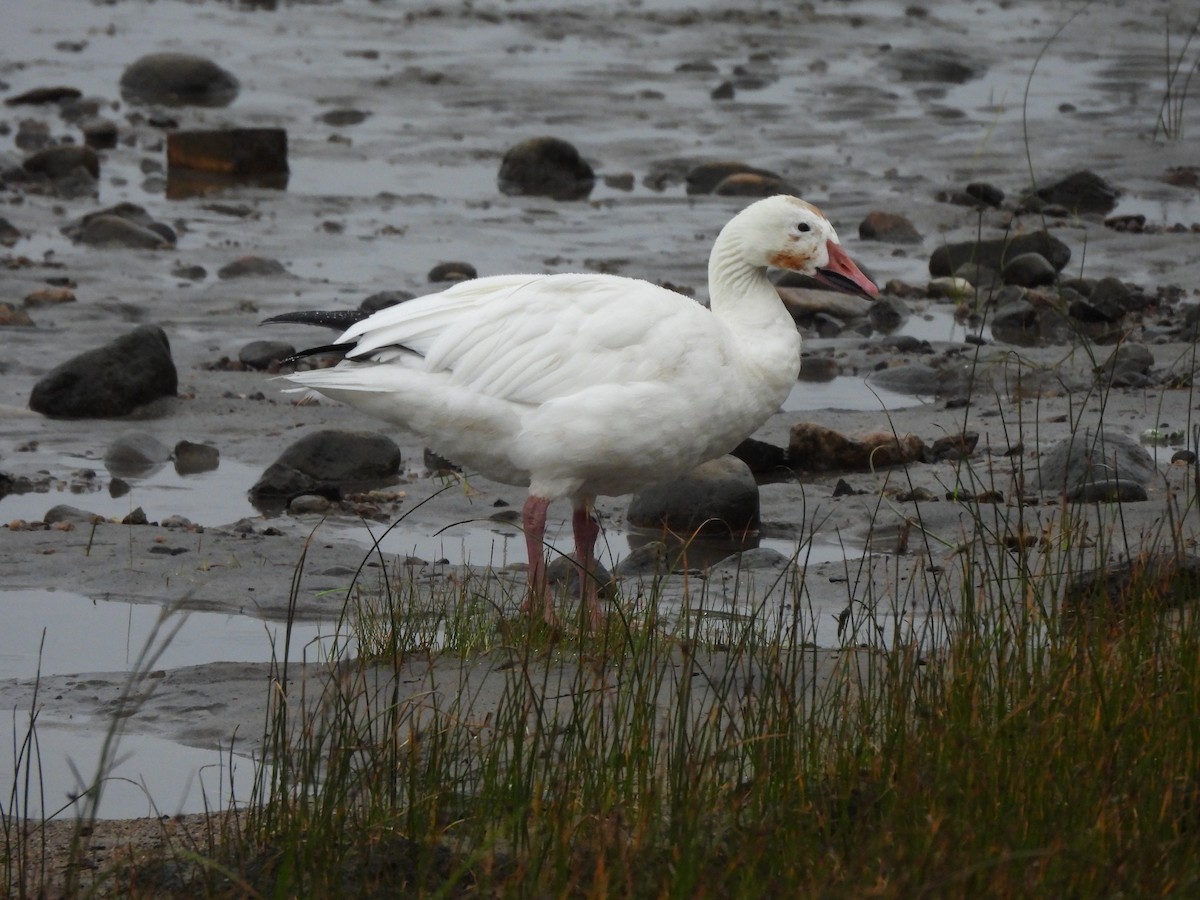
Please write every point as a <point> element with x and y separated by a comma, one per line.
<point>787,259</point>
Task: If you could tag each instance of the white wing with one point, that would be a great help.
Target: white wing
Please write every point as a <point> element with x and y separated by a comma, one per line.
<point>530,339</point>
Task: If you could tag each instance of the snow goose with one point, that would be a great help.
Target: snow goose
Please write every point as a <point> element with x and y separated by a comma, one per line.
<point>586,385</point>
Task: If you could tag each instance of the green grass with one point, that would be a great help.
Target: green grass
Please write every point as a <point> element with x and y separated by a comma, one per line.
<point>1031,733</point>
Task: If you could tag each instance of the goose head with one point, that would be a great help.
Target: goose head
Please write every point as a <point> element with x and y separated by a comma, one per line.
<point>790,233</point>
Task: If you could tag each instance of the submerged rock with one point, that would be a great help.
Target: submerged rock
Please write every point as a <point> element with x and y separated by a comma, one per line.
<point>191,458</point>
<point>944,65</point>
<point>112,380</point>
<point>135,453</point>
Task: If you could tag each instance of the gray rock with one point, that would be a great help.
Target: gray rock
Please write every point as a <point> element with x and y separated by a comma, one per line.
<point>99,132</point>
<point>1107,490</point>
<point>1093,456</point>
<point>325,462</point>
<point>891,227</point>
<point>706,177</point>
<point>58,162</point>
<point>1128,365</point>
<point>191,458</point>
<point>944,65</point>
<point>1162,579</point>
<point>64,513</point>
<point>383,299</point>
<point>135,453</point>
<point>264,354</point>
<point>42,96</point>
<point>1081,192</point>
<point>546,167</point>
<point>1099,307</point>
<point>757,558</point>
<point>14,316</point>
<point>309,503</point>
<point>114,233</point>
<point>563,575</point>
<point>985,193</point>
<point>1019,314</point>
<point>1029,270</point>
<point>1112,296</point>
<point>920,379</point>
<point>762,458</point>
<point>112,380</point>
<point>746,184</point>
<point>9,233</point>
<point>178,79</point>
<point>651,558</point>
<point>252,267</point>
<point>452,271</point>
<point>717,497</point>
<point>993,253</point>
<point>340,118</point>
<point>983,279</point>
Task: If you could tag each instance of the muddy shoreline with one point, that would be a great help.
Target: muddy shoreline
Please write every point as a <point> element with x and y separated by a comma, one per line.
<point>818,97</point>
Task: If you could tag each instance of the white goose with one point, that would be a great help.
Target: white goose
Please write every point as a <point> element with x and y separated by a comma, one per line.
<point>586,385</point>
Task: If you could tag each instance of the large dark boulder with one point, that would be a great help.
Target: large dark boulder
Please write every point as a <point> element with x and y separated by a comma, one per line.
<point>328,462</point>
<point>546,167</point>
<point>996,252</point>
<point>112,380</point>
<point>178,79</point>
<point>717,497</point>
<point>1094,460</point>
<point>123,225</point>
<point>1081,192</point>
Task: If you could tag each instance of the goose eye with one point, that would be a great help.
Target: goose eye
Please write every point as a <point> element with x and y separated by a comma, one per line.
<point>804,227</point>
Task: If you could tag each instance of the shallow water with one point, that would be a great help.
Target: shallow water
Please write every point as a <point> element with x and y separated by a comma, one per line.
<point>151,776</point>
<point>62,633</point>
<point>846,392</point>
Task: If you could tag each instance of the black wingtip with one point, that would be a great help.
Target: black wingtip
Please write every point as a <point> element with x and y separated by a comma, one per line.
<point>341,349</point>
<point>339,319</point>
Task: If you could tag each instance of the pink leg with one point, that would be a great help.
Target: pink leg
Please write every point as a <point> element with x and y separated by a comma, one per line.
<point>534,521</point>
<point>586,530</point>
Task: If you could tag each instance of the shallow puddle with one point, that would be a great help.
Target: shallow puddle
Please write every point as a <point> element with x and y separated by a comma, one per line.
<point>217,497</point>
<point>61,633</point>
<point>77,634</point>
<point>151,776</point>
<point>846,392</point>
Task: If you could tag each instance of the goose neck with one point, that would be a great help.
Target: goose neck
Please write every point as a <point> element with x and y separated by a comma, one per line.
<point>734,282</point>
